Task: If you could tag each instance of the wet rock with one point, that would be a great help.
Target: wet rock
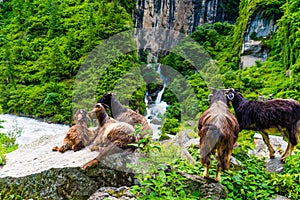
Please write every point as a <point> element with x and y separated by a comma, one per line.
<point>155,121</point>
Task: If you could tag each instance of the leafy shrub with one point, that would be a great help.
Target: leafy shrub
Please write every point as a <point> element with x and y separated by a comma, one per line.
<point>288,183</point>
<point>170,126</point>
<point>7,141</point>
<point>249,180</point>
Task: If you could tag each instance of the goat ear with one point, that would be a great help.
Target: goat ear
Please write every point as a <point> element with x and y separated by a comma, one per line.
<point>230,96</point>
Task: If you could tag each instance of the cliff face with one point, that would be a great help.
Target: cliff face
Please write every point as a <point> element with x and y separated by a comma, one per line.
<point>161,23</point>
<point>183,15</point>
<point>259,27</point>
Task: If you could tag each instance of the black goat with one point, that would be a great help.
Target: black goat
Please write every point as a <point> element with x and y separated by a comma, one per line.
<point>276,115</point>
<point>123,114</point>
<point>218,131</point>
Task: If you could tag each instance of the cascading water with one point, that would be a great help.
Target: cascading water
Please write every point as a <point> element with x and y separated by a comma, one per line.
<point>30,129</point>
<point>156,109</point>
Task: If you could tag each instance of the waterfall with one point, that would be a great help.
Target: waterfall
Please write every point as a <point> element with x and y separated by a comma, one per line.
<point>159,96</point>
<point>157,108</point>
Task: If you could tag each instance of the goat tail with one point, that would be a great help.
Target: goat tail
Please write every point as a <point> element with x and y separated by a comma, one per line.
<point>209,138</point>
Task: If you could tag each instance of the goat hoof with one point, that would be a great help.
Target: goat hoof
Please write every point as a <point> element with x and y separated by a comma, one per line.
<point>282,160</point>
<point>209,179</point>
<point>55,148</point>
<point>62,150</point>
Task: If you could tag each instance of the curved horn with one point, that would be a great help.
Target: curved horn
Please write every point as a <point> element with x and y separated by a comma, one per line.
<point>226,90</point>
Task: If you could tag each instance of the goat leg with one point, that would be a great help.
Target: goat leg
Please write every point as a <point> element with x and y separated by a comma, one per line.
<point>283,157</point>
<point>90,164</point>
<point>55,148</point>
<point>104,152</point>
<point>61,149</point>
<point>206,171</point>
<point>267,142</point>
<point>218,173</point>
<point>287,152</point>
<point>78,146</point>
<point>64,148</point>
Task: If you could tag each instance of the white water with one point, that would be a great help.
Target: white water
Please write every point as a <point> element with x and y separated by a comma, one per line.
<point>153,111</point>
<point>30,129</point>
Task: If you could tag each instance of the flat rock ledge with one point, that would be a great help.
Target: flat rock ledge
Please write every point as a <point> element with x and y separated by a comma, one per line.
<point>34,171</point>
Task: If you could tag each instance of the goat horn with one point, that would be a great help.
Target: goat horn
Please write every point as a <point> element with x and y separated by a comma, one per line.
<point>104,105</point>
<point>228,89</point>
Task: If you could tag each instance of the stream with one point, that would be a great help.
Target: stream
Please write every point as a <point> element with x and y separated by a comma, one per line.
<point>29,129</point>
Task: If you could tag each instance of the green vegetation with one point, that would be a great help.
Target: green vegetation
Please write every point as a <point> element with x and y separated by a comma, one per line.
<point>44,44</point>
<point>7,140</point>
<point>42,47</point>
<point>249,180</point>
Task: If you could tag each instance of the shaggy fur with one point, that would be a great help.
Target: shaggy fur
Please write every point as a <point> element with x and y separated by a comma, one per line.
<point>114,136</point>
<point>277,115</point>
<point>120,113</point>
<point>78,136</point>
<point>218,131</point>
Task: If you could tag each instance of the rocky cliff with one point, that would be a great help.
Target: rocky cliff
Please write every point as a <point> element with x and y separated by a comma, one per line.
<point>183,15</point>
<point>172,19</point>
<point>161,24</point>
<point>259,28</point>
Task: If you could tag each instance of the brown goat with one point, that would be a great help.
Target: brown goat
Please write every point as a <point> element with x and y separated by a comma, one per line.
<point>114,136</point>
<point>218,131</point>
<point>276,115</point>
<point>78,136</point>
<point>120,113</point>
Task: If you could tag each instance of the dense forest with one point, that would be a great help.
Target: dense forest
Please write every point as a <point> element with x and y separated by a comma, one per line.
<point>43,44</point>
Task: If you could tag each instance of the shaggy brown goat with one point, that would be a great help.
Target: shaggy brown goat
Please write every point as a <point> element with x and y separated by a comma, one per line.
<point>78,136</point>
<point>114,136</point>
<point>218,130</point>
<point>276,115</point>
<point>120,113</point>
